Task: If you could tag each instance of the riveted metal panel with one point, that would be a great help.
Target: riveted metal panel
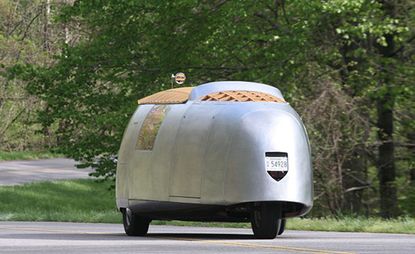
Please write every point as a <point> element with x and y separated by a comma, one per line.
<point>189,152</point>
<point>164,152</point>
<point>125,155</point>
<point>269,130</point>
<point>216,157</point>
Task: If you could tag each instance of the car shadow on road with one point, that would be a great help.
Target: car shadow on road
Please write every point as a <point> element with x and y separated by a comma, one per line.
<point>201,236</point>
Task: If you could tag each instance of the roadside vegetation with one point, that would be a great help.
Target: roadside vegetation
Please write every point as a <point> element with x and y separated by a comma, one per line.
<point>72,71</point>
<point>92,201</point>
<point>27,155</point>
<point>72,200</point>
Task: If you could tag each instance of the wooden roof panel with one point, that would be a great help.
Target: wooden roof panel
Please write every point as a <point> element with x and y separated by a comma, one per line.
<point>241,96</point>
<point>171,96</point>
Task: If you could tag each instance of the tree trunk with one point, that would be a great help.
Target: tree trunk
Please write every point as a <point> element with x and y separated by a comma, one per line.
<point>68,36</point>
<point>46,43</point>
<point>385,107</point>
<point>386,161</point>
<point>355,182</point>
<point>411,138</point>
<point>355,166</point>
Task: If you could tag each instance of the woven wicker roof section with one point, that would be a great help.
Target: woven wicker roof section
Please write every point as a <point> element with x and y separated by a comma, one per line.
<point>241,96</point>
<point>171,96</point>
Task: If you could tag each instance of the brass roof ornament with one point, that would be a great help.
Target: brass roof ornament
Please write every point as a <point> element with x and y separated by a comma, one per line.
<point>179,78</point>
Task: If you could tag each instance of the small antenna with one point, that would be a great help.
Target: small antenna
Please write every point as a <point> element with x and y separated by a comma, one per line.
<point>172,78</point>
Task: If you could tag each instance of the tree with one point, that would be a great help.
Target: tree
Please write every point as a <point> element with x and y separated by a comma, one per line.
<point>21,24</point>
<point>320,54</point>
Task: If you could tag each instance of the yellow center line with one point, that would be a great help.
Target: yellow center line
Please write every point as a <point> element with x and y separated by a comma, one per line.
<point>261,246</point>
<point>278,247</point>
<point>220,242</point>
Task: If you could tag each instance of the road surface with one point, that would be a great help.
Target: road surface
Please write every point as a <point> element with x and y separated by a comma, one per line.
<point>20,172</point>
<point>57,237</point>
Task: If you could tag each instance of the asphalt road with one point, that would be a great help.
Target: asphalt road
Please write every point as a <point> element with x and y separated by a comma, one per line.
<point>19,172</point>
<point>51,237</point>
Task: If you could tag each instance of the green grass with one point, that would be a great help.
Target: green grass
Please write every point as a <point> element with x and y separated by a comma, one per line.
<point>74,200</point>
<point>348,224</point>
<point>90,201</point>
<point>27,155</point>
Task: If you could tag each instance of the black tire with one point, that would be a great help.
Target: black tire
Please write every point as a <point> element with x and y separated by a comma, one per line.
<point>134,225</point>
<point>266,221</point>
<point>282,226</point>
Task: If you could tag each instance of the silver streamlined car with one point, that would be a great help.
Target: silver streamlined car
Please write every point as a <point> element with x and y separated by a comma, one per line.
<point>223,151</point>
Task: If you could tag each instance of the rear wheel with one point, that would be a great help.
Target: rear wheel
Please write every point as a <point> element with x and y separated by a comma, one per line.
<point>266,220</point>
<point>134,225</point>
<point>282,226</point>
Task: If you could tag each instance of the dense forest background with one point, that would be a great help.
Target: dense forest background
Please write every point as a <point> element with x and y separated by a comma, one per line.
<point>71,72</point>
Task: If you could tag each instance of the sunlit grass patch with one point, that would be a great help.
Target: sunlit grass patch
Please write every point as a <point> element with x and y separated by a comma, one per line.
<point>75,200</point>
<point>27,155</point>
<point>351,224</point>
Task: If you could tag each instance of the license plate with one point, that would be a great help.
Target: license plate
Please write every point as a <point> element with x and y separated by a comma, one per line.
<point>279,163</point>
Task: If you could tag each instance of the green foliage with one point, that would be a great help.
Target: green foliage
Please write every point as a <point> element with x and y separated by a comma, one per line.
<point>328,58</point>
<point>20,43</point>
<point>92,88</point>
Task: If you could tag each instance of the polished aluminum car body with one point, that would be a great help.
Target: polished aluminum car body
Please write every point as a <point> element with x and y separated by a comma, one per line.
<point>207,159</point>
